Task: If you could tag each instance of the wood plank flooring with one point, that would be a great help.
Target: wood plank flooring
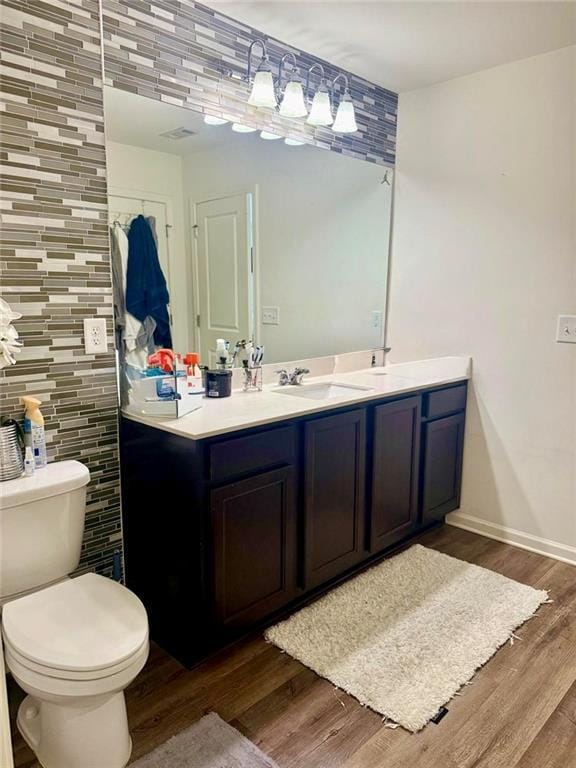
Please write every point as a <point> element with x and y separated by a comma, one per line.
<point>519,712</point>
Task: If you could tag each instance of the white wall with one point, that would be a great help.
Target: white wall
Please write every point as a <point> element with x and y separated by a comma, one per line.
<point>159,175</point>
<point>483,260</point>
<point>322,233</point>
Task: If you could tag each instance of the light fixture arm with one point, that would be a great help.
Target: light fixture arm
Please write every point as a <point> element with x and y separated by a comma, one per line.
<point>320,68</point>
<point>346,84</point>
<point>264,59</point>
<point>288,55</point>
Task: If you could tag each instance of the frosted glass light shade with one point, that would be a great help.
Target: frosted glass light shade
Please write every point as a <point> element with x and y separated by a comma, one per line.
<point>292,104</point>
<point>262,94</point>
<point>294,142</point>
<point>239,128</point>
<point>269,136</point>
<point>321,110</point>
<point>211,120</point>
<point>345,121</point>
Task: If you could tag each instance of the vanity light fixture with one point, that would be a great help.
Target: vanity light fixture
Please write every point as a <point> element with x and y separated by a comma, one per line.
<point>262,94</point>
<point>321,109</point>
<point>290,99</point>
<point>269,136</point>
<point>345,121</point>
<point>294,142</point>
<point>239,128</point>
<point>211,120</point>
<point>292,102</point>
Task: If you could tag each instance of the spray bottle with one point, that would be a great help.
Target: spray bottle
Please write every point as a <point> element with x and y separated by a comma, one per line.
<point>34,435</point>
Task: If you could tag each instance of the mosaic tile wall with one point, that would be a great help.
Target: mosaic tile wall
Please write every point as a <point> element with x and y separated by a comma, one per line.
<point>54,251</point>
<point>177,50</point>
<point>54,257</point>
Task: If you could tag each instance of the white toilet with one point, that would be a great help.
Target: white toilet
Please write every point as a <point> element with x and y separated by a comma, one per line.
<point>73,645</point>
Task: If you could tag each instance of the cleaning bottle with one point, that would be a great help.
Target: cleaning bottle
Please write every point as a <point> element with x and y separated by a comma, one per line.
<point>34,435</point>
<point>29,464</point>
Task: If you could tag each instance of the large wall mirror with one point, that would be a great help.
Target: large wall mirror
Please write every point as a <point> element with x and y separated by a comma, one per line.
<point>257,239</point>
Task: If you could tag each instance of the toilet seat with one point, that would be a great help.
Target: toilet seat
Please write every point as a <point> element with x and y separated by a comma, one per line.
<point>86,628</point>
<point>71,675</point>
<point>49,687</point>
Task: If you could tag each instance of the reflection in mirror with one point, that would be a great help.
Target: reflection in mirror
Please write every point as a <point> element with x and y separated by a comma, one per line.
<point>256,239</point>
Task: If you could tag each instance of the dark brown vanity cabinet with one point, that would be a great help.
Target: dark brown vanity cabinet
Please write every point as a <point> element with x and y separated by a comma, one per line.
<point>443,442</point>
<point>228,534</point>
<point>396,448</point>
<point>334,493</point>
<point>254,546</point>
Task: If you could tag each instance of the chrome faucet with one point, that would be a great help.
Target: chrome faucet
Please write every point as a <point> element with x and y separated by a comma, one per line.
<point>293,378</point>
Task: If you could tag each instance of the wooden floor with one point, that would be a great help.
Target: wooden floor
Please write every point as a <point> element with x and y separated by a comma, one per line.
<point>520,711</point>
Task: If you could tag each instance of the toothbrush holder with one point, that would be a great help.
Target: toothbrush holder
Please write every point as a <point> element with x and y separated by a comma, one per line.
<point>253,379</point>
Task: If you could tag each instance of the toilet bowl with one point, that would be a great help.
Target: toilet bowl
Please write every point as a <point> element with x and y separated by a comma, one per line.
<point>73,648</point>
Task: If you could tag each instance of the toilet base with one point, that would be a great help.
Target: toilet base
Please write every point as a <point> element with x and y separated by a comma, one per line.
<point>86,734</point>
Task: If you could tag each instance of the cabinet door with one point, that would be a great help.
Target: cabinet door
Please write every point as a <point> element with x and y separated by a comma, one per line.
<point>394,505</point>
<point>334,483</point>
<point>254,540</point>
<point>442,471</point>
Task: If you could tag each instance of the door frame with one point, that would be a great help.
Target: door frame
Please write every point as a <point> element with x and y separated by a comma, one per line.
<point>254,330</point>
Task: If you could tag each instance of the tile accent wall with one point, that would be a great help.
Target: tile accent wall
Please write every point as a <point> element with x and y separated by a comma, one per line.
<point>54,252</point>
<point>53,207</point>
<point>176,51</point>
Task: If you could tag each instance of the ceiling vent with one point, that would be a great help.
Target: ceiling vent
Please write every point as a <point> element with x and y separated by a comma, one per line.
<point>178,133</point>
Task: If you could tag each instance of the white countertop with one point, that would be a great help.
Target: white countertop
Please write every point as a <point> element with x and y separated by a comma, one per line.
<point>244,410</point>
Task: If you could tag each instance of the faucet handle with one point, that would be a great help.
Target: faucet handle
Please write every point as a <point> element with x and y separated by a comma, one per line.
<point>284,378</point>
<point>297,375</point>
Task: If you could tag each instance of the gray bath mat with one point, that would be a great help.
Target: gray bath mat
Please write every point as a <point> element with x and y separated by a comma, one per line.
<point>209,743</point>
<point>404,636</point>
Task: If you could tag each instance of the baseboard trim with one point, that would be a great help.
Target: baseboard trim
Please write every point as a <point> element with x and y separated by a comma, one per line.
<point>538,544</point>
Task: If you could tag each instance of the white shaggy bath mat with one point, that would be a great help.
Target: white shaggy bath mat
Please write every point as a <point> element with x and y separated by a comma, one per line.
<point>404,636</point>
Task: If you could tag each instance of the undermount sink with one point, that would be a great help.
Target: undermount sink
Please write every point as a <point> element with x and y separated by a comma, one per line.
<point>322,391</point>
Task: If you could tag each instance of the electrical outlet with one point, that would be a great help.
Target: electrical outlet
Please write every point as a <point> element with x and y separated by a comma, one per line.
<point>270,315</point>
<point>95,341</point>
<point>377,317</point>
<point>566,329</point>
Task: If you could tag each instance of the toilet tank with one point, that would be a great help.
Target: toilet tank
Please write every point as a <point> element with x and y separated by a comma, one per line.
<point>41,526</point>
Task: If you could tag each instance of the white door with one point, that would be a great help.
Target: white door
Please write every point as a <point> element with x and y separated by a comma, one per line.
<point>126,208</point>
<point>224,256</point>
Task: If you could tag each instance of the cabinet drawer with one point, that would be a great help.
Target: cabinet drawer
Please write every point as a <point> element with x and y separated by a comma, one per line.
<point>255,453</point>
<point>444,401</point>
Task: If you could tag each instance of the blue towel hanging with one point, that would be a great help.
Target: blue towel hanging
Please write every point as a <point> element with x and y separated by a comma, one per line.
<point>146,290</point>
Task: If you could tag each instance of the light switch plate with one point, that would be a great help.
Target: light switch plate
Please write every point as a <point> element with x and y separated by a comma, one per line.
<point>95,341</point>
<point>377,318</point>
<point>270,315</point>
<point>566,329</point>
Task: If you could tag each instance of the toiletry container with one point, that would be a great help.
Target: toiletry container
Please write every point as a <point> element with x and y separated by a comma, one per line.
<point>218,383</point>
<point>11,444</point>
<point>34,435</point>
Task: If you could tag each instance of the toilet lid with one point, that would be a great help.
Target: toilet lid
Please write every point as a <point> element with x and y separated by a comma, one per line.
<point>87,623</point>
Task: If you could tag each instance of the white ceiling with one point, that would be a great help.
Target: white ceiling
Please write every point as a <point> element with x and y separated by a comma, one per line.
<point>139,121</point>
<point>408,45</point>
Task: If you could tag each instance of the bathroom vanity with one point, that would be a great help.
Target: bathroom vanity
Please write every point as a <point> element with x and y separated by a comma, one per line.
<point>244,510</point>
